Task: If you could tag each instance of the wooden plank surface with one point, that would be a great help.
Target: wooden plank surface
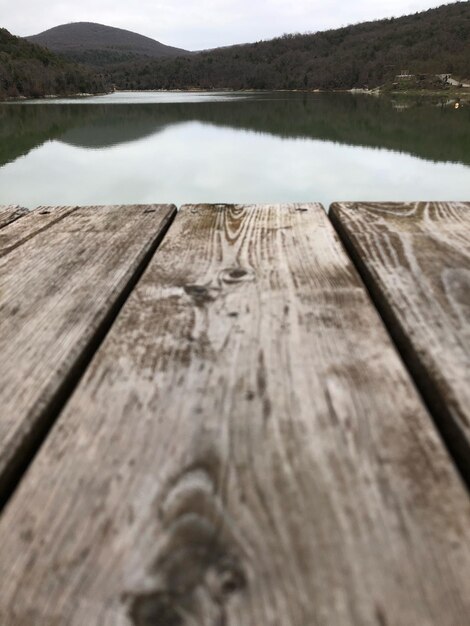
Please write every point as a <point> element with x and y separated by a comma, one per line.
<point>245,449</point>
<point>63,272</point>
<point>39,221</point>
<point>9,214</point>
<point>415,259</point>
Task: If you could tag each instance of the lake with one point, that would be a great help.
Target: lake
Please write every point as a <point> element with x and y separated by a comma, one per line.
<point>146,147</point>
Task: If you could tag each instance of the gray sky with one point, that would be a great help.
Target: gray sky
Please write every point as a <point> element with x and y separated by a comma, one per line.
<point>198,24</point>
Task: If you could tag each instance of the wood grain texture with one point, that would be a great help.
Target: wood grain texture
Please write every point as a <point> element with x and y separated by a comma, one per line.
<point>415,259</point>
<point>39,221</point>
<point>63,271</point>
<point>245,449</point>
<point>9,214</point>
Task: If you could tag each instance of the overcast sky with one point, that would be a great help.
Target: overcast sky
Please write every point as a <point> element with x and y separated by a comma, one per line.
<point>198,24</point>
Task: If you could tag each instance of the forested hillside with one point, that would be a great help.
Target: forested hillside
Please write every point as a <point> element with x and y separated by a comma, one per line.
<point>435,41</point>
<point>370,54</point>
<point>31,71</point>
<point>99,45</point>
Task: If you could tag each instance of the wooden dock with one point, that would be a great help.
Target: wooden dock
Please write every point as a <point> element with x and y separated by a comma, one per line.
<point>235,415</point>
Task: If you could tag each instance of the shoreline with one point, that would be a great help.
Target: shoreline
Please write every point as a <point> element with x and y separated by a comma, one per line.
<point>378,91</point>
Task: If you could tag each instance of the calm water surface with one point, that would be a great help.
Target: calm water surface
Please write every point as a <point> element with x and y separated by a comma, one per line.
<point>222,147</point>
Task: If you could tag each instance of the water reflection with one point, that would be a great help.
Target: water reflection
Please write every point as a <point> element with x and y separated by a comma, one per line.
<point>432,130</point>
<point>429,130</point>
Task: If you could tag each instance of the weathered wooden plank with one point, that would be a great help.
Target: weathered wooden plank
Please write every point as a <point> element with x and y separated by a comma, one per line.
<point>63,272</point>
<point>39,221</point>
<point>9,214</point>
<point>415,259</point>
<point>245,448</point>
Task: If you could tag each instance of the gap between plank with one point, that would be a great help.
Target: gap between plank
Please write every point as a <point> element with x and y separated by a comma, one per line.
<point>447,428</point>
<point>32,444</point>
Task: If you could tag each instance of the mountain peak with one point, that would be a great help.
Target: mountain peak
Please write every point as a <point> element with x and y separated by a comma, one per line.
<point>85,41</point>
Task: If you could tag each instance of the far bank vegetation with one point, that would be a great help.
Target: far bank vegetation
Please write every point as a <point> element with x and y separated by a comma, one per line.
<point>365,55</point>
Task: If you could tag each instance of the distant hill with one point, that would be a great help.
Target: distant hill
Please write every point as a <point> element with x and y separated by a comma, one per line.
<point>31,71</point>
<point>373,53</point>
<point>98,45</point>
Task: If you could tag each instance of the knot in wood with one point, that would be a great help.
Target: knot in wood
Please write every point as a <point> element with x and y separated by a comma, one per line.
<point>237,274</point>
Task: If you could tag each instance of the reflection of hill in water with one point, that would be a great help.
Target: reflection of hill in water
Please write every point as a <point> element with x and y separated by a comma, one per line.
<point>423,130</point>
<point>112,129</point>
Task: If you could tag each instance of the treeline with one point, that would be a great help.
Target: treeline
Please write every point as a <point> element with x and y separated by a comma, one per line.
<point>31,71</point>
<point>99,60</point>
<point>365,55</point>
<point>369,54</point>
